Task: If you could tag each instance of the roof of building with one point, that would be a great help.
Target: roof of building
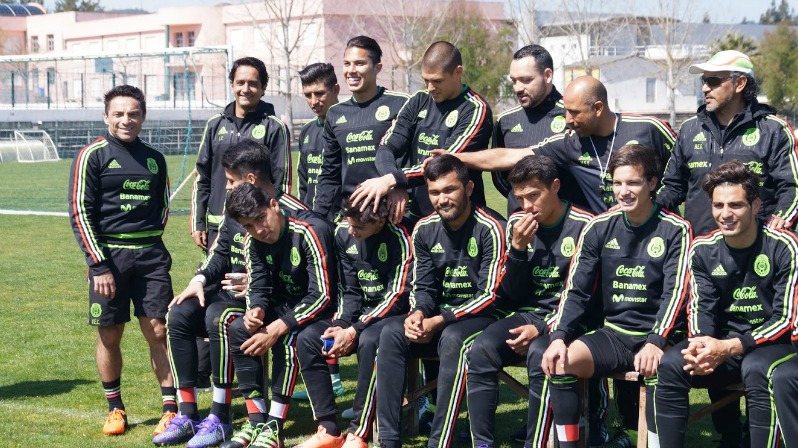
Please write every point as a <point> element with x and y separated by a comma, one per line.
<point>16,9</point>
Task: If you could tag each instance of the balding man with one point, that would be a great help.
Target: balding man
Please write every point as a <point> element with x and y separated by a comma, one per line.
<point>446,114</point>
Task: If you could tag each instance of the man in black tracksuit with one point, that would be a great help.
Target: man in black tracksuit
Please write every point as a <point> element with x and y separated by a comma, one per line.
<point>448,115</point>
<point>637,256</point>
<point>742,300</point>
<point>354,128</point>
<point>542,240</point>
<point>375,259</point>
<point>290,298</point>
<point>246,118</point>
<point>458,264</point>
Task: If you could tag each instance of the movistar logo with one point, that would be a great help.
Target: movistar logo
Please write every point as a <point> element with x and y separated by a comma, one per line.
<point>719,272</point>
<point>700,137</point>
<point>114,164</point>
<point>352,250</point>
<point>428,139</point>
<point>437,249</point>
<point>613,244</point>
<point>341,120</point>
<point>585,159</point>
<point>517,128</point>
<point>126,207</point>
<point>363,136</point>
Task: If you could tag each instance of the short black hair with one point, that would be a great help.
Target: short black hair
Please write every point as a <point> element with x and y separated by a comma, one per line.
<point>533,167</point>
<point>255,63</point>
<point>733,173</point>
<point>444,164</point>
<point>322,72</point>
<point>637,155</point>
<point>248,156</point>
<point>442,55</point>
<point>368,215</point>
<point>541,56</point>
<point>246,202</point>
<point>366,43</point>
<point>129,91</point>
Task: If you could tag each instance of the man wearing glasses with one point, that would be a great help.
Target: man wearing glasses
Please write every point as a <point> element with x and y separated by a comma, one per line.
<point>732,125</point>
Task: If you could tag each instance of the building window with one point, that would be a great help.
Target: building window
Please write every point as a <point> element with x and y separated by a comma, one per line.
<point>50,42</point>
<point>651,90</point>
<point>178,39</point>
<point>190,38</point>
<point>34,44</point>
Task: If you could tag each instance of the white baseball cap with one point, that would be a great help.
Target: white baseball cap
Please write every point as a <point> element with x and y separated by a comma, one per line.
<point>725,61</point>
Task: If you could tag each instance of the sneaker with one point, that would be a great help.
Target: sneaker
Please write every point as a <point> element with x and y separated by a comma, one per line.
<point>353,441</point>
<point>519,435</point>
<point>598,433</point>
<point>163,423</point>
<point>423,405</point>
<point>620,439</point>
<point>338,388</point>
<point>180,430</point>
<point>115,423</point>
<point>348,414</point>
<point>322,440</point>
<point>210,432</point>
<point>268,437</point>
<point>301,395</point>
<point>244,436</point>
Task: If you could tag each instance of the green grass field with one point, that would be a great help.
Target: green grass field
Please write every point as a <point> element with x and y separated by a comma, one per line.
<point>49,391</point>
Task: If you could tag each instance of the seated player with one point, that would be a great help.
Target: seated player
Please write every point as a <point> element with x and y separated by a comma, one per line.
<point>191,315</point>
<point>541,239</point>
<point>743,283</point>
<point>637,256</point>
<point>458,262</point>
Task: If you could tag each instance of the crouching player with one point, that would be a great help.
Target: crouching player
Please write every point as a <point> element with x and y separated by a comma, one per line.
<point>637,256</point>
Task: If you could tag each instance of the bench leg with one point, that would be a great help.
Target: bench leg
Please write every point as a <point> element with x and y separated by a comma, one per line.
<point>642,425</point>
<point>413,384</point>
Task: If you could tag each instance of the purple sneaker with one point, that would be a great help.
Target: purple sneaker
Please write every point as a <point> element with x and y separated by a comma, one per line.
<point>210,432</point>
<point>180,430</point>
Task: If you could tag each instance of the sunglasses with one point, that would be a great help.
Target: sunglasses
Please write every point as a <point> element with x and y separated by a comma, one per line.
<point>714,81</point>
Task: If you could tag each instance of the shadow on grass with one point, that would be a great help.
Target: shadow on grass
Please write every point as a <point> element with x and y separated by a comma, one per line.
<point>41,388</point>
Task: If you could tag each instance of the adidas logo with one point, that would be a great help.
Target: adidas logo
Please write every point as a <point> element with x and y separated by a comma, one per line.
<point>422,114</point>
<point>307,139</point>
<point>437,249</point>
<point>222,131</point>
<point>719,272</point>
<point>613,244</point>
<point>341,120</point>
<point>517,128</point>
<point>700,137</point>
<point>585,159</point>
<point>114,164</point>
<point>352,250</point>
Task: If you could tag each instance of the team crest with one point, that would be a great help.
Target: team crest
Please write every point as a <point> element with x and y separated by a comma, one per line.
<point>259,131</point>
<point>762,265</point>
<point>568,247</point>
<point>295,258</point>
<point>382,253</point>
<point>751,137</point>
<point>473,250</point>
<point>656,247</point>
<point>558,124</point>
<point>152,165</point>
<point>96,310</point>
<point>451,119</point>
<point>269,259</point>
<point>383,113</point>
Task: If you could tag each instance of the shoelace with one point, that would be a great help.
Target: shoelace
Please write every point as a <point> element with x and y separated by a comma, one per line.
<point>117,414</point>
<point>206,425</point>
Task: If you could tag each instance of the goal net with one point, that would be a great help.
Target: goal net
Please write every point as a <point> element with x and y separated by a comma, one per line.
<point>27,146</point>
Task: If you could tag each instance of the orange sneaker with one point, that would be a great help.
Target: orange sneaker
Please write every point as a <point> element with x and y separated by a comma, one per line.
<point>163,423</point>
<point>322,440</point>
<point>115,423</point>
<point>353,441</point>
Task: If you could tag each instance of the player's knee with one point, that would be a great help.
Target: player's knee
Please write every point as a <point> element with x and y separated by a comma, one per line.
<point>785,381</point>
<point>110,337</point>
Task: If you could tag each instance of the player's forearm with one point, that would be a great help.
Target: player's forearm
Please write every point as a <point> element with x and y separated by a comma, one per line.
<point>496,159</point>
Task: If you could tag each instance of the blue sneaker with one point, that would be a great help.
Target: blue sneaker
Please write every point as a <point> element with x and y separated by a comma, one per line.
<point>210,432</point>
<point>180,430</point>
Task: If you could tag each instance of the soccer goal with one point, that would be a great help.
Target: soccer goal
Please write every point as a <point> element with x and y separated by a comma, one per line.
<point>28,146</point>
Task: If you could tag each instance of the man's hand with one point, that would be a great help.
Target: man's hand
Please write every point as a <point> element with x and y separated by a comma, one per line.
<point>343,341</point>
<point>200,238</point>
<point>236,282</point>
<point>264,339</point>
<point>413,325</point>
<point>704,353</point>
<point>397,204</point>
<point>429,328</point>
<point>194,289</point>
<point>556,353</point>
<point>105,285</point>
<point>526,334</point>
<point>647,360</point>
<point>777,223</point>
<point>253,319</point>
<point>524,231</point>
<point>370,191</point>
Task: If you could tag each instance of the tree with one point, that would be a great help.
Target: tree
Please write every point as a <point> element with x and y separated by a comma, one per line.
<point>777,14</point>
<point>522,14</point>
<point>75,5</point>
<point>734,41</point>
<point>777,67</point>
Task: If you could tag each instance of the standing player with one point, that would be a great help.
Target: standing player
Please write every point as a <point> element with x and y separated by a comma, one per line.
<point>538,115</point>
<point>458,263</point>
<point>541,239</point>
<point>448,114</point>
<point>118,206</point>
<point>246,118</point>
<point>320,87</point>
<point>743,283</point>
<point>355,127</point>
<point>637,257</point>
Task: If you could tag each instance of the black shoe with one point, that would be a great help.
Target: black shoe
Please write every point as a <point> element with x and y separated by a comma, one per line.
<point>519,435</point>
<point>598,432</point>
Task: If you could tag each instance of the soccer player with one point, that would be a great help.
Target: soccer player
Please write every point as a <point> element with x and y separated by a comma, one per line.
<point>538,115</point>
<point>732,125</point>
<point>743,283</point>
<point>354,128</point>
<point>118,206</point>
<point>245,162</point>
<point>447,114</point>
<point>375,259</point>
<point>458,262</point>
<point>320,87</point>
<point>636,256</point>
<point>246,118</point>
<point>291,295</point>
<point>541,239</point>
